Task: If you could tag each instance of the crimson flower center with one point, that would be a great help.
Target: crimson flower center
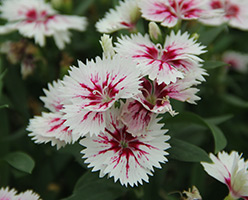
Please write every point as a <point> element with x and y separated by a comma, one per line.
<point>232,11</point>
<point>216,5</point>
<point>37,16</point>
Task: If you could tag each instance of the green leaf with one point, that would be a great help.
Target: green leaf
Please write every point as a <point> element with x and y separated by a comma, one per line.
<point>235,101</point>
<point>219,119</point>
<point>20,161</point>
<point>4,106</point>
<point>84,5</point>
<point>207,36</point>
<point>91,187</point>
<point>187,117</point>
<point>211,64</point>
<point>187,152</point>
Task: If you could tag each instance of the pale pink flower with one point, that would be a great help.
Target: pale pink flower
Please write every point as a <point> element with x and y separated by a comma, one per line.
<point>235,13</point>
<point>156,97</point>
<point>231,170</point>
<point>37,19</point>
<point>170,12</point>
<point>120,155</point>
<point>124,16</point>
<point>237,61</point>
<point>7,194</point>
<point>50,127</point>
<point>166,63</point>
<point>93,88</point>
<point>136,117</point>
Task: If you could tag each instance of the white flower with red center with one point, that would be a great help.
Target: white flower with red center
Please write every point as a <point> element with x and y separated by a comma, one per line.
<point>50,127</point>
<point>136,117</point>
<point>120,155</point>
<point>178,55</point>
<point>124,16</point>
<point>7,194</point>
<point>156,97</point>
<point>93,88</point>
<point>37,19</point>
<point>170,12</point>
<point>235,13</point>
<point>236,60</point>
<point>231,170</point>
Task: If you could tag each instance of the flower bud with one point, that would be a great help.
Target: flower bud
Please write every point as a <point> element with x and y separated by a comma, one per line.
<point>107,46</point>
<point>154,31</point>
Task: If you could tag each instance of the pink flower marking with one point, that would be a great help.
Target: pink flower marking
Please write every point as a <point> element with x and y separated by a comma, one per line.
<point>136,117</point>
<point>165,63</point>
<point>116,152</point>
<point>169,12</point>
<point>101,95</point>
<point>232,11</point>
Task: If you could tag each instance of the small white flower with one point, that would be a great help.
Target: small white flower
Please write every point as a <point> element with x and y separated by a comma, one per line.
<point>93,88</point>
<point>166,64</point>
<point>124,16</point>
<point>7,194</point>
<point>37,19</point>
<point>51,127</point>
<point>170,12</point>
<point>52,99</point>
<point>28,195</point>
<point>156,97</point>
<point>120,155</point>
<point>237,61</point>
<point>231,170</point>
<point>235,13</point>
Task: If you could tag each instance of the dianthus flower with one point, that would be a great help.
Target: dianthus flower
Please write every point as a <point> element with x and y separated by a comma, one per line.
<point>50,127</point>
<point>235,13</point>
<point>127,158</point>
<point>37,19</point>
<point>136,117</point>
<point>124,16</point>
<point>7,194</point>
<point>93,88</point>
<point>178,55</point>
<point>231,170</point>
<point>170,12</point>
<point>236,60</point>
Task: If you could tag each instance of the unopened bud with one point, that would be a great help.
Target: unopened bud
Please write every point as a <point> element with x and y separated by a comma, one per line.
<point>107,46</point>
<point>195,36</point>
<point>154,31</point>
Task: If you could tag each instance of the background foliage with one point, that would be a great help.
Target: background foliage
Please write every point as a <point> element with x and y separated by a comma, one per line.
<point>218,121</point>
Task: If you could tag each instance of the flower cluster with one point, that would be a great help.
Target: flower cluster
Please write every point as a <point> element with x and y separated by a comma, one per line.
<point>11,194</point>
<point>113,103</point>
<point>37,19</point>
<point>231,170</point>
<point>171,12</point>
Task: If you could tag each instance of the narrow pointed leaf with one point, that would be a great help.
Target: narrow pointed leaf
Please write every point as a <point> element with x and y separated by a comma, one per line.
<point>187,152</point>
<point>20,161</point>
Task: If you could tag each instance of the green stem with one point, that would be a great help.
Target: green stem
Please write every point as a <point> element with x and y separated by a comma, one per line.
<point>229,197</point>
